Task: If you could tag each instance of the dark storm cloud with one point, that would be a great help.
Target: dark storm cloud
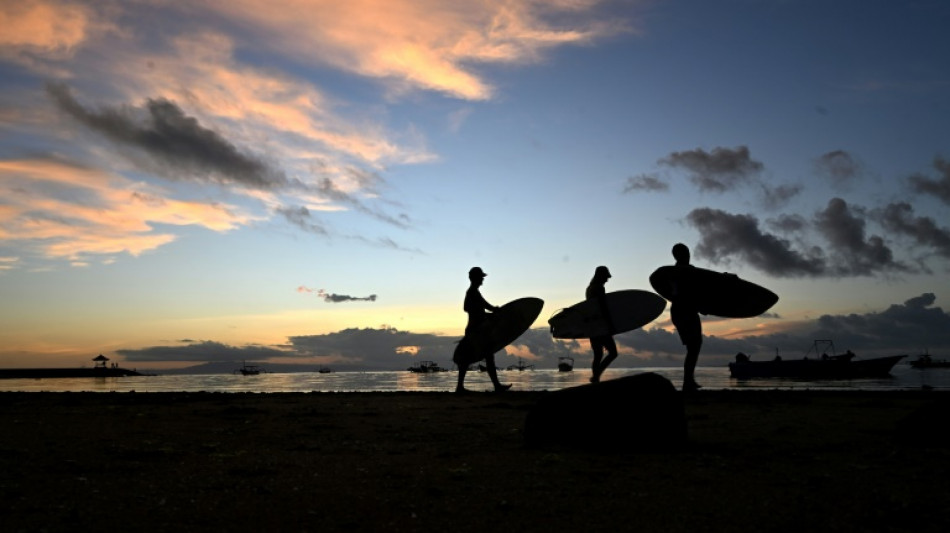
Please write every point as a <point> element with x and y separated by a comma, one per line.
<point>202,351</point>
<point>336,298</point>
<point>377,349</point>
<point>721,170</point>
<point>858,255</point>
<point>724,236</point>
<point>646,183</point>
<point>838,166</point>
<point>940,187</point>
<point>924,231</point>
<point>178,143</point>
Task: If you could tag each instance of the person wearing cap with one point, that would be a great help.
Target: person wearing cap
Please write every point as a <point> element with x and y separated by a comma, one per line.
<point>684,313</point>
<point>471,348</point>
<point>597,292</point>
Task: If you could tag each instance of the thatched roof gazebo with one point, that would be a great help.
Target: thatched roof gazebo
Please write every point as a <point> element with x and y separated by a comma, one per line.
<point>100,361</point>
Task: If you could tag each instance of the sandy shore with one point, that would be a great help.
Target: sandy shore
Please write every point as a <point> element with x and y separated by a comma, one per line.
<point>756,460</point>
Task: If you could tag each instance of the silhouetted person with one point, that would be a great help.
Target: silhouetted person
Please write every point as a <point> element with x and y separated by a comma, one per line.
<point>685,314</point>
<point>597,292</point>
<point>476,347</point>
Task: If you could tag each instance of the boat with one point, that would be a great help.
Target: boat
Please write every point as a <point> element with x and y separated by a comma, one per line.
<point>521,366</point>
<point>325,370</point>
<point>250,370</point>
<point>925,361</point>
<point>565,364</point>
<point>824,366</point>
<point>425,367</point>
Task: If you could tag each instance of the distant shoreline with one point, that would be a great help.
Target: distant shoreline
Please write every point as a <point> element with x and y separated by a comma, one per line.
<point>41,373</point>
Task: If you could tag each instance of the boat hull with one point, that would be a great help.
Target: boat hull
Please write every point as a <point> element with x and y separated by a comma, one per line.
<point>815,368</point>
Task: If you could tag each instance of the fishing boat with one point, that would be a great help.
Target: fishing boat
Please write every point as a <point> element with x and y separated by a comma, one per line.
<point>925,361</point>
<point>814,366</point>
<point>521,366</point>
<point>425,367</point>
<point>249,370</point>
<point>565,364</point>
<point>325,370</point>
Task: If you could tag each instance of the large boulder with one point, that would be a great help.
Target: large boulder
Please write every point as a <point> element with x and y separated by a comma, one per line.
<point>639,412</point>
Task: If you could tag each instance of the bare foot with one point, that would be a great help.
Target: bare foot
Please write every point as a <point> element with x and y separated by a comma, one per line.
<point>691,386</point>
<point>462,390</point>
<point>502,388</point>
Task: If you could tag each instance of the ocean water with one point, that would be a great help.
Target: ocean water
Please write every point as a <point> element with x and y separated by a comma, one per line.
<point>903,377</point>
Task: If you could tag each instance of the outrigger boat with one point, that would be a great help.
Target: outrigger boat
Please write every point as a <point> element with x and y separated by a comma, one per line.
<point>249,370</point>
<point>521,366</point>
<point>824,366</point>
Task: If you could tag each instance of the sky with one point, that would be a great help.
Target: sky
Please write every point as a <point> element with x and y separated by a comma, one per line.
<point>309,182</point>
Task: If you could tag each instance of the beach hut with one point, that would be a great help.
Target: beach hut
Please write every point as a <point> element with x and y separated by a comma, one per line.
<point>100,361</point>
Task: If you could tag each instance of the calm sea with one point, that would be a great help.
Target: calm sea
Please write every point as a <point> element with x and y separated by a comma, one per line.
<point>903,377</point>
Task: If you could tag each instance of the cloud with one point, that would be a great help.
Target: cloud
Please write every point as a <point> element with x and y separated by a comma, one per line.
<point>777,197</point>
<point>721,170</point>
<point>916,324</point>
<point>847,250</point>
<point>647,183</point>
<point>57,209</point>
<point>837,166</point>
<point>940,187</point>
<point>179,145</point>
<point>859,255</point>
<point>335,298</point>
<point>924,231</point>
<point>384,348</point>
<point>724,236</point>
<point>36,32</point>
<point>422,44</point>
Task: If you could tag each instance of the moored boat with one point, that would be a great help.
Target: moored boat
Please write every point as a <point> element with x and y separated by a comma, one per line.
<point>249,370</point>
<point>565,364</point>
<point>521,366</point>
<point>425,367</point>
<point>824,366</point>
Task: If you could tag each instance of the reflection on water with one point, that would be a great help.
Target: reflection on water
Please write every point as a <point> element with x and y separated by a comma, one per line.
<point>903,377</point>
<point>712,378</point>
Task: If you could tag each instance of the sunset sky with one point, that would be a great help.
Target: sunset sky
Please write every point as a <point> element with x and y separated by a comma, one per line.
<point>309,181</point>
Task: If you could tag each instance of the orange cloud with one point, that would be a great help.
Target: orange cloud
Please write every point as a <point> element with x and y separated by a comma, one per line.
<point>429,44</point>
<point>44,26</point>
<point>71,212</point>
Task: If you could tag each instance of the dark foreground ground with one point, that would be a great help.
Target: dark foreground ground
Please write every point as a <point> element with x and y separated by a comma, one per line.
<point>756,461</point>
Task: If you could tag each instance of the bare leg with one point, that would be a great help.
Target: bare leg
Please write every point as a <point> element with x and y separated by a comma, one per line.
<point>689,367</point>
<point>461,384</point>
<point>595,366</point>
<point>493,374</point>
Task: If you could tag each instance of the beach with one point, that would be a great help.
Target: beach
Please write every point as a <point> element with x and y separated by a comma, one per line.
<point>435,461</point>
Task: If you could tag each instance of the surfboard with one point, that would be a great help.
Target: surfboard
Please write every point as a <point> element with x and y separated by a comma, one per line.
<point>500,329</point>
<point>718,293</point>
<point>629,310</point>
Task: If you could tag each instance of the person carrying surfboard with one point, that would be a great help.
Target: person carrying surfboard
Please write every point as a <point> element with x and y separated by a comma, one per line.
<point>685,314</point>
<point>472,347</point>
<point>597,292</point>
